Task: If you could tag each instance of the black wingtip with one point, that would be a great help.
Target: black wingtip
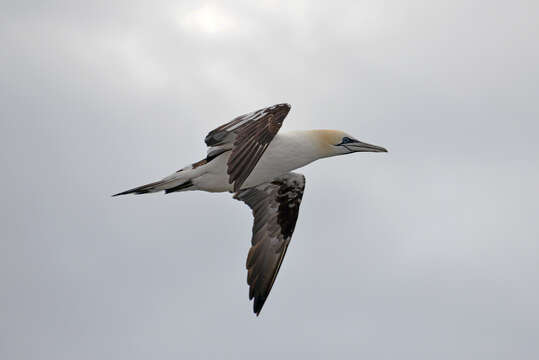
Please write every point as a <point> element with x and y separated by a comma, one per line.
<point>281,105</point>
<point>258,304</point>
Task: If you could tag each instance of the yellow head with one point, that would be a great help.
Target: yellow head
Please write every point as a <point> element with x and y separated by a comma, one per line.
<point>335,142</point>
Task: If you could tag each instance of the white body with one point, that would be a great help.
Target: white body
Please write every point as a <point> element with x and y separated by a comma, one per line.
<point>286,152</point>
<point>269,188</point>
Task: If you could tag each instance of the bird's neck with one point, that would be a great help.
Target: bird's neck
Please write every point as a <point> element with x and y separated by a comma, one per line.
<point>307,145</point>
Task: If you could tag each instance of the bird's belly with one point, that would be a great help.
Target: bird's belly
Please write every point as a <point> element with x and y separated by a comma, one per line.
<point>215,177</point>
<point>266,172</point>
<point>280,158</point>
<point>277,160</point>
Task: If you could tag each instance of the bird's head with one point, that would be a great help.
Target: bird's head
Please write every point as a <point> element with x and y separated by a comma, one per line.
<point>336,142</point>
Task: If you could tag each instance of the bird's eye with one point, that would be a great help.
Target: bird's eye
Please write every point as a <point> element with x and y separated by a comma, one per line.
<point>346,140</point>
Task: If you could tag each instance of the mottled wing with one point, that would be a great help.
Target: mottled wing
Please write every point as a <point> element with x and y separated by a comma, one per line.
<point>248,136</point>
<point>275,208</point>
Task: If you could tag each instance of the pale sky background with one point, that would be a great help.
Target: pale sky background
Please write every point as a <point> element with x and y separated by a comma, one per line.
<point>428,252</point>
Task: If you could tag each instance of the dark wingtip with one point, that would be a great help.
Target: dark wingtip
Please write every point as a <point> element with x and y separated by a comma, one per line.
<point>283,109</point>
<point>258,304</point>
<point>285,105</point>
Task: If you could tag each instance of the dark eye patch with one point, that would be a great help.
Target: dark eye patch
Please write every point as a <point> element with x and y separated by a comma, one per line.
<point>346,140</point>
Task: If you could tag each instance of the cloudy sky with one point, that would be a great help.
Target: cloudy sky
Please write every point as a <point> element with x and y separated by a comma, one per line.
<point>428,252</point>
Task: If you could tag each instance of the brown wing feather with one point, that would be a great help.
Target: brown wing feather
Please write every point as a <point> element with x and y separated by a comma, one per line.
<point>248,136</point>
<point>275,209</point>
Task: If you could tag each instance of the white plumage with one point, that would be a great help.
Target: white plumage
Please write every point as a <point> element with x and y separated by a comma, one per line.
<point>248,156</point>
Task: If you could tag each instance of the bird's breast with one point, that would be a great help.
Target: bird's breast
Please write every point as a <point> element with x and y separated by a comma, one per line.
<point>284,154</point>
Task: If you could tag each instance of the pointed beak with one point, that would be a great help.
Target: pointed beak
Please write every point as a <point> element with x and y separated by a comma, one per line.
<point>359,146</point>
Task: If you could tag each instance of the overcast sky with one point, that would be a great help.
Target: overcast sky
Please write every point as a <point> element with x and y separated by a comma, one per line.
<point>428,252</point>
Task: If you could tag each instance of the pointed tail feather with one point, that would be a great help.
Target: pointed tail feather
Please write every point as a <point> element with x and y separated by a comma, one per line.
<point>144,189</point>
<point>167,185</point>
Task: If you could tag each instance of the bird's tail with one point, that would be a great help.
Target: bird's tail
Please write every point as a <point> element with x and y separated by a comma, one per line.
<point>181,180</point>
<point>168,185</point>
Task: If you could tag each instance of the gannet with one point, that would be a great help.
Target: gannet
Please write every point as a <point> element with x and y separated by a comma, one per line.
<point>249,157</point>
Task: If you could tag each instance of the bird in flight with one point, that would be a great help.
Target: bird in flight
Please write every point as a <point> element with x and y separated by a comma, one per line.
<point>249,157</point>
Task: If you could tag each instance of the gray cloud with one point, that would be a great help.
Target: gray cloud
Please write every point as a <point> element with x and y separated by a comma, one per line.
<point>427,252</point>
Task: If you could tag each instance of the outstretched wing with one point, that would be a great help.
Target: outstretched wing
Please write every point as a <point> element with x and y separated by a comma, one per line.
<point>275,208</point>
<point>247,136</point>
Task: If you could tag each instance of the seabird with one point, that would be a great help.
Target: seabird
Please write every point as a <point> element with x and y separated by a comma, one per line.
<point>249,157</point>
